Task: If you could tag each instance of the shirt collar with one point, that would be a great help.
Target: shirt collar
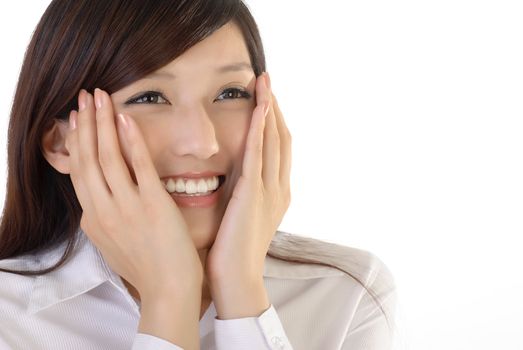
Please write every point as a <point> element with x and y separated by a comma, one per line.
<point>84,270</point>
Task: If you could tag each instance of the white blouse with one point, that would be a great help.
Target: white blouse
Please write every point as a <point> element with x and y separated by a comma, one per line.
<point>85,305</point>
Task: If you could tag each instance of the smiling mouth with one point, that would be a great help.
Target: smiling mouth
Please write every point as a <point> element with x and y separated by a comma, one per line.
<point>221,180</point>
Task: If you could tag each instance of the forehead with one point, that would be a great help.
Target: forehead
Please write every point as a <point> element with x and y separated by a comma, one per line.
<point>225,46</point>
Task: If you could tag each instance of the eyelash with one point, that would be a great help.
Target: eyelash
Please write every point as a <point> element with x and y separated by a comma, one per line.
<point>239,92</point>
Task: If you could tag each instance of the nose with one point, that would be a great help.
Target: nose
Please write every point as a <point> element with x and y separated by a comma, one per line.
<point>194,133</point>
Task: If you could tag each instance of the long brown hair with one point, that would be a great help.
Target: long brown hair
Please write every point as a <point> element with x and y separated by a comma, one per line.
<point>108,44</point>
<point>87,44</point>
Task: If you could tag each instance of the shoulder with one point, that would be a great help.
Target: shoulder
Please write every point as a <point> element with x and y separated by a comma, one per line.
<point>321,288</point>
<point>298,253</point>
<point>33,261</point>
<point>20,273</point>
<point>297,257</point>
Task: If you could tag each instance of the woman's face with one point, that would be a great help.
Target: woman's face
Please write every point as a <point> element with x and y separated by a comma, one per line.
<point>195,119</point>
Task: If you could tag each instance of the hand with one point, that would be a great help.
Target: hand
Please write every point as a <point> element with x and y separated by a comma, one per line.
<point>235,262</point>
<point>136,226</point>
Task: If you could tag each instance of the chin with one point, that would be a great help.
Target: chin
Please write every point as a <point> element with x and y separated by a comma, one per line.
<point>203,240</point>
<point>203,225</point>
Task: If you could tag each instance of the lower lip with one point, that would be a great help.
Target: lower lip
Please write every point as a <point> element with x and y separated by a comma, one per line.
<point>197,201</point>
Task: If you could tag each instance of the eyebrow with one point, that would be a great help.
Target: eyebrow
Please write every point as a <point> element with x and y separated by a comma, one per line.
<point>233,67</point>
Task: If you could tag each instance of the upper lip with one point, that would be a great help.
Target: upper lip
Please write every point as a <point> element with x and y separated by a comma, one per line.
<point>193,175</point>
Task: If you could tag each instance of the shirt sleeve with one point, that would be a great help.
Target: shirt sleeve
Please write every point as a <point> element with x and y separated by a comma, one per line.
<point>264,332</point>
<point>144,341</point>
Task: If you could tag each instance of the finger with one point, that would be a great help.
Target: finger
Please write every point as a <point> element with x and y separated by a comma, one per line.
<point>88,165</point>
<point>285,145</point>
<point>253,157</point>
<point>111,160</point>
<point>149,183</point>
<point>71,144</point>
<point>271,147</point>
<point>81,191</point>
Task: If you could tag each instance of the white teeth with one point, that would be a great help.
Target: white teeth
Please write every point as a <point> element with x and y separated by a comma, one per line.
<point>192,186</point>
<point>180,186</point>
<point>202,186</point>
<point>170,186</point>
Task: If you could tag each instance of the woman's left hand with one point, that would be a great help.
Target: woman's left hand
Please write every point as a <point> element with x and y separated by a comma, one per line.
<point>235,263</point>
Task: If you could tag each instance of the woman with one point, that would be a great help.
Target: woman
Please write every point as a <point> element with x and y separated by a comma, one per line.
<point>149,170</point>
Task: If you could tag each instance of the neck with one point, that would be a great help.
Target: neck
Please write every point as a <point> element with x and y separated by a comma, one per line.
<point>206,292</point>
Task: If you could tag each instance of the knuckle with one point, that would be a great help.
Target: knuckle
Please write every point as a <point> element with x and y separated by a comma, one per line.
<point>152,195</point>
<point>107,219</point>
<point>108,222</point>
<point>100,116</point>
<point>289,145</point>
<point>133,205</point>
<point>152,212</point>
<point>288,135</point>
<point>139,161</point>
<point>274,137</point>
<point>106,158</point>
<point>285,195</point>
<point>86,157</point>
<point>256,148</point>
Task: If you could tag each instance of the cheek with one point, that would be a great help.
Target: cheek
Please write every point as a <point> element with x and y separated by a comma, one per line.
<point>233,137</point>
<point>232,140</point>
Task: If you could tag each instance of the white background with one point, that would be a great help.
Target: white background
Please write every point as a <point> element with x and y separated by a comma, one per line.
<point>407,121</point>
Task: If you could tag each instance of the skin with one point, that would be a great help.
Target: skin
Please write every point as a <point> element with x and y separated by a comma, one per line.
<point>116,154</point>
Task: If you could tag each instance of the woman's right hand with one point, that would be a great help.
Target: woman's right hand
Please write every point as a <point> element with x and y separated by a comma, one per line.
<point>137,227</point>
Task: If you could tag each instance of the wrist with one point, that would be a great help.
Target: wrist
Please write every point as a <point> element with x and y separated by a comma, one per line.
<point>175,319</point>
<point>239,299</point>
<point>174,290</point>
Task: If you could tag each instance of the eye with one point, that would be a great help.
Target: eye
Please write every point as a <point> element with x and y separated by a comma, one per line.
<point>149,97</point>
<point>233,93</point>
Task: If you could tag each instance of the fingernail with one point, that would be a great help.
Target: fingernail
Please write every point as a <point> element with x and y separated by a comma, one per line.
<point>82,103</point>
<point>123,121</point>
<point>98,99</point>
<point>266,108</point>
<point>72,120</point>
<point>267,80</point>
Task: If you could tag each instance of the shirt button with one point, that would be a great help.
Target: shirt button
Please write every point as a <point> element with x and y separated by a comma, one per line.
<point>278,342</point>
